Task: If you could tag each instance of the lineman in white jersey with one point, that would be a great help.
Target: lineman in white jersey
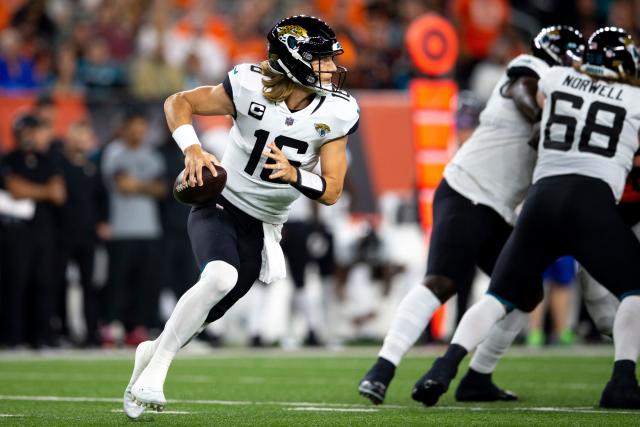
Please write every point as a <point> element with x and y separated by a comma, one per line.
<point>289,112</point>
<point>589,134</point>
<point>474,210</point>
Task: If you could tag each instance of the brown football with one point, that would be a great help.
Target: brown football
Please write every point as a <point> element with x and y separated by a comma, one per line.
<point>212,186</point>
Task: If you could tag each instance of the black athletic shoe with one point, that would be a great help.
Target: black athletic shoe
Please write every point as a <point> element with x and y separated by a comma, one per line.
<point>375,383</point>
<point>476,387</point>
<point>434,383</point>
<point>621,394</point>
<point>373,390</point>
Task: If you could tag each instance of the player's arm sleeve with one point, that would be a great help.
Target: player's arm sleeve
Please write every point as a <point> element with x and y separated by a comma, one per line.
<point>523,93</point>
<point>347,119</point>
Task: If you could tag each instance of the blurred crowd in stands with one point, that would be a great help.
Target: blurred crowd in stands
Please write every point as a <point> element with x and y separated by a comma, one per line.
<point>147,49</point>
<point>104,182</point>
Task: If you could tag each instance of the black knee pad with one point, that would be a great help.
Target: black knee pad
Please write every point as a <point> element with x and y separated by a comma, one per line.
<point>442,287</point>
<point>532,299</point>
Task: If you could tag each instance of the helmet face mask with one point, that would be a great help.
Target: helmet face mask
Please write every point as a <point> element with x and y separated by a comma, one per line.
<point>612,54</point>
<point>298,44</point>
<point>558,45</point>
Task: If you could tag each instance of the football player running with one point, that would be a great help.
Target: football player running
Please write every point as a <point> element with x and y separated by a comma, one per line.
<point>289,113</point>
<point>589,135</point>
<point>473,215</point>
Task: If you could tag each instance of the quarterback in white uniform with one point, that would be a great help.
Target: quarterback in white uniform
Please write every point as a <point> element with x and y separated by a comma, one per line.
<point>589,135</point>
<point>289,113</point>
<point>473,215</point>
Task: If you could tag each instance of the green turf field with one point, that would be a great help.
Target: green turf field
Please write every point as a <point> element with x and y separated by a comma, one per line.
<point>299,388</point>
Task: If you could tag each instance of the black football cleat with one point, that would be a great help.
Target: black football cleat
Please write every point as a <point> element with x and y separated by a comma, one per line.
<point>434,383</point>
<point>475,387</point>
<point>373,390</point>
<point>619,394</point>
<point>375,383</point>
<point>428,391</point>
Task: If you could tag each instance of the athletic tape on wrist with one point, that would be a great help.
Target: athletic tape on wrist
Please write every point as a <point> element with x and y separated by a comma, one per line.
<point>185,136</point>
<point>311,185</point>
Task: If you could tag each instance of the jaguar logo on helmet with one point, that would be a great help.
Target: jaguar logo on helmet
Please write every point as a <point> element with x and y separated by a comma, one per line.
<point>292,30</point>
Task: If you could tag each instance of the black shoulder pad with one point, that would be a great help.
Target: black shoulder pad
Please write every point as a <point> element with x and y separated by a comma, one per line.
<point>515,72</point>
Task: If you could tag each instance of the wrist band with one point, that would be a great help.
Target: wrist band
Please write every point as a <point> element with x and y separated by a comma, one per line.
<point>185,136</point>
<point>311,185</point>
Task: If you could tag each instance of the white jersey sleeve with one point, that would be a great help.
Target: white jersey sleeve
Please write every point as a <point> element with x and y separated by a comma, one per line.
<point>299,134</point>
<point>494,167</point>
<point>589,127</point>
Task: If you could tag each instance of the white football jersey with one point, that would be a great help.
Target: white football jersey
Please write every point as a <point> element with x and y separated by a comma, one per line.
<point>589,127</point>
<point>299,135</point>
<point>494,167</point>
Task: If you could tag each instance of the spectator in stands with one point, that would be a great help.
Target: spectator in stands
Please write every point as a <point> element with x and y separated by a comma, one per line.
<point>106,84</point>
<point>78,221</point>
<point>63,79</point>
<point>17,72</point>
<point>247,44</point>
<point>194,74</point>
<point>104,78</point>
<point>479,23</point>
<point>153,78</point>
<point>204,33</point>
<point>33,22</point>
<point>117,23</point>
<point>134,174</point>
<point>28,244</point>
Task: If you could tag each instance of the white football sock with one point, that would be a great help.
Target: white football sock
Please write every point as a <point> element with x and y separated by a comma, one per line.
<point>410,320</point>
<point>600,303</point>
<point>500,338</point>
<point>626,329</point>
<point>144,353</point>
<point>476,323</point>
<point>216,280</point>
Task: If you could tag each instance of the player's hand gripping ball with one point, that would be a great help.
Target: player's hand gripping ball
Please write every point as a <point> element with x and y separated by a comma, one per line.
<point>194,196</point>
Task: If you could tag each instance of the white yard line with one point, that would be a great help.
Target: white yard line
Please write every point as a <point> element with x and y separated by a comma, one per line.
<point>121,411</point>
<point>323,409</point>
<point>346,406</point>
<point>188,353</point>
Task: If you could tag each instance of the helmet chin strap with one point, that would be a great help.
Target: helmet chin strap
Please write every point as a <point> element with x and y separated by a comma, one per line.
<point>287,72</point>
<point>322,89</point>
